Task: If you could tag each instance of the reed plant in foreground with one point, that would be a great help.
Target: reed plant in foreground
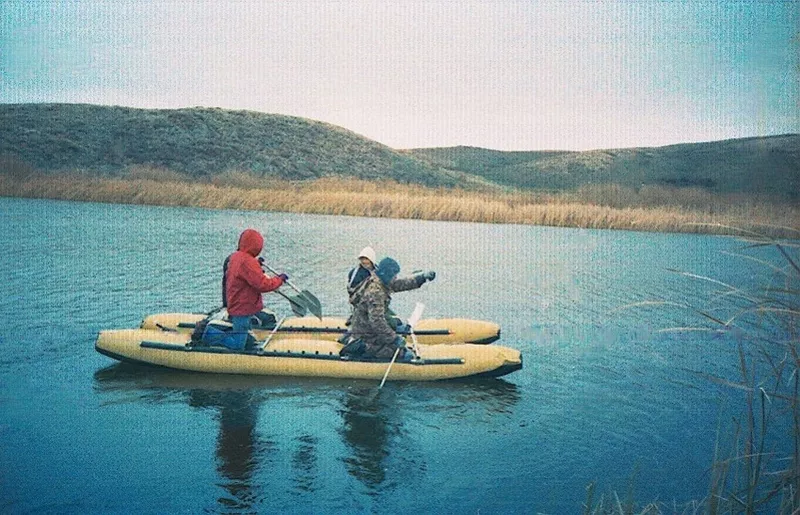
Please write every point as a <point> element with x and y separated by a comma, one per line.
<point>753,478</point>
<point>599,207</point>
<point>749,474</point>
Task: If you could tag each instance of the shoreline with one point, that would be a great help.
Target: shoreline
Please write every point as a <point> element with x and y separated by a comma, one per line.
<point>599,207</point>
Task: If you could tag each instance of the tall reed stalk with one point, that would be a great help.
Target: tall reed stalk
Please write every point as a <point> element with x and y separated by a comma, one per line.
<point>595,207</point>
<point>751,476</point>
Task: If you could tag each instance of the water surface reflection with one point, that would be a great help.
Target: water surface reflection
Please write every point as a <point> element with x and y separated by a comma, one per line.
<point>234,400</point>
<point>281,433</point>
<point>367,430</point>
<point>239,450</point>
<point>386,431</point>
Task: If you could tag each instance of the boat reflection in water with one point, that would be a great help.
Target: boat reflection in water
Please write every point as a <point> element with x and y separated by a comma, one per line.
<point>367,430</point>
<point>385,453</point>
<point>381,453</point>
<point>239,451</point>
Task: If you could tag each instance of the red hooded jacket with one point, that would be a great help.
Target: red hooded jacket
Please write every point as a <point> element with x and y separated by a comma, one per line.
<point>244,280</point>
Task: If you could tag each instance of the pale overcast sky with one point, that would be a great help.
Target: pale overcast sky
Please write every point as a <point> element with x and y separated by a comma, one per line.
<point>505,75</point>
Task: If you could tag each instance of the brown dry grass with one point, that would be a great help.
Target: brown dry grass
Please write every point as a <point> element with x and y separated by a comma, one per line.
<point>601,207</point>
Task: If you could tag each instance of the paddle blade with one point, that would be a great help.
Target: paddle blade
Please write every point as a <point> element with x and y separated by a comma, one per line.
<point>305,298</point>
<point>416,314</point>
<point>312,303</point>
<point>298,308</point>
<point>298,305</point>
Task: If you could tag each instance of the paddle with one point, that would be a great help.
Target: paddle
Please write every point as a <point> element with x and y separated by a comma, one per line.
<point>412,321</point>
<point>309,300</point>
<point>298,305</point>
<point>274,330</point>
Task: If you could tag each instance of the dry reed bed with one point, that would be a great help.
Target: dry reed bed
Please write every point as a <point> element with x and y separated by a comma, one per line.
<point>392,200</point>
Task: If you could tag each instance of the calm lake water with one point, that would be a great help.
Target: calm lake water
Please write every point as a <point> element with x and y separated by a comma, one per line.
<point>603,397</point>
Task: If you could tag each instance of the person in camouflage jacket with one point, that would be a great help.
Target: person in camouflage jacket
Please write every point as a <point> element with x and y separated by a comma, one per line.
<point>357,276</point>
<point>371,314</point>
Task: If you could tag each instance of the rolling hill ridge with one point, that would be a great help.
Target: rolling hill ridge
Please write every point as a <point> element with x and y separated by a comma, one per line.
<point>203,142</point>
<point>763,165</point>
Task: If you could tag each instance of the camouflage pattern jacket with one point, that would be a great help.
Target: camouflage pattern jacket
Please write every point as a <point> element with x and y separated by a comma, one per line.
<point>370,308</point>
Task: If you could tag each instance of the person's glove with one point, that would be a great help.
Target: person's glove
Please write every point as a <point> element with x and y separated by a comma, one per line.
<point>283,277</point>
<point>399,341</point>
<point>402,328</point>
<point>261,261</point>
<point>425,276</point>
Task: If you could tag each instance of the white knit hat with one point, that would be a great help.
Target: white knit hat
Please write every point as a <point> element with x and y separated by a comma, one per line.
<point>368,253</point>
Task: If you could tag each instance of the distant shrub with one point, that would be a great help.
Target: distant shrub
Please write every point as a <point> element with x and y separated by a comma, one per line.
<point>611,195</point>
<point>686,182</point>
<point>15,167</point>
<point>685,197</point>
<point>153,173</point>
<point>239,179</point>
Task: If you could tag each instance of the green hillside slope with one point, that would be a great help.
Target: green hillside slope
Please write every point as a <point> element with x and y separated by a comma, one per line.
<point>204,142</point>
<point>200,142</point>
<point>764,165</point>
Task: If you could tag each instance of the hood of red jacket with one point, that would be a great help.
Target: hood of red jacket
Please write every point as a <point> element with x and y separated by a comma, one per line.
<point>251,242</point>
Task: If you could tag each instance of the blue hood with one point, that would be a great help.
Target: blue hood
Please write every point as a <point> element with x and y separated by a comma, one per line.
<point>387,270</point>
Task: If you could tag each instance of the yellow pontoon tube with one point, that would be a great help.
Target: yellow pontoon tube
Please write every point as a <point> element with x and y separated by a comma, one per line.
<point>430,331</point>
<point>304,357</point>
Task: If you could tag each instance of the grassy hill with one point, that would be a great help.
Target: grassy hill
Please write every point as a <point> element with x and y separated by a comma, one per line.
<point>206,142</point>
<point>765,165</point>
<point>200,142</point>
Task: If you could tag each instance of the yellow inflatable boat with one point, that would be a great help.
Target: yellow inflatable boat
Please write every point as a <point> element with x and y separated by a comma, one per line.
<point>428,331</point>
<point>304,357</point>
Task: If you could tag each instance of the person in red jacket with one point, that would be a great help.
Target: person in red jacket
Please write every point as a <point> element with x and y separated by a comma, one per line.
<point>243,283</point>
